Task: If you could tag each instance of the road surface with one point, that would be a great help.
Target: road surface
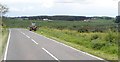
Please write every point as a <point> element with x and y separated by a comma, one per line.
<point>26,45</point>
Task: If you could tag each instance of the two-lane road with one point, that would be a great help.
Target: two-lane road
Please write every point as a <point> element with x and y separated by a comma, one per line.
<point>26,45</point>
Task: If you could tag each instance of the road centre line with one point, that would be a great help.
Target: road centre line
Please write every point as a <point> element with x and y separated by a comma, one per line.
<point>29,37</point>
<point>34,41</point>
<point>51,54</point>
<point>23,33</point>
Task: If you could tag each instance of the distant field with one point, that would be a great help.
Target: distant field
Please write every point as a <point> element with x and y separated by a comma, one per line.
<point>15,23</point>
<point>97,25</point>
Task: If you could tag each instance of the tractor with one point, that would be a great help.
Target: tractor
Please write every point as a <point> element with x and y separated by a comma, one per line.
<point>33,27</point>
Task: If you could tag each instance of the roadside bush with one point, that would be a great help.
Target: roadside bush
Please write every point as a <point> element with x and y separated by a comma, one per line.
<point>112,49</point>
<point>98,30</point>
<point>74,26</point>
<point>82,30</point>
<point>110,37</point>
<point>97,45</point>
<point>60,27</point>
<point>95,36</point>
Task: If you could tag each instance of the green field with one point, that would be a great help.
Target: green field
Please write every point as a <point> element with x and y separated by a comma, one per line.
<point>98,37</point>
<point>97,25</point>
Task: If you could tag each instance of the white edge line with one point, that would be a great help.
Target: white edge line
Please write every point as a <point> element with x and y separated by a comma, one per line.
<point>50,54</point>
<point>70,47</point>
<point>6,50</point>
<point>34,41</point>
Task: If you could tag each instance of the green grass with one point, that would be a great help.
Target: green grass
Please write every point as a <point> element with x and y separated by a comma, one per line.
<point>78,25</point>
<point>103,25</point>
<point>15,23</point>
<point>95,43</point>
<point>0,42</point>
<point>3,38</point>
<point>0,38</point>
<point>3,41</point>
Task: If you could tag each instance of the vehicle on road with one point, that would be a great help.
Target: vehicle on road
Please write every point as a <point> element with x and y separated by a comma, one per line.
<point>33,27</point>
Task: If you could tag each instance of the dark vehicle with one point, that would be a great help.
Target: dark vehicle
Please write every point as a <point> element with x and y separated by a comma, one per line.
<point>33,27</point>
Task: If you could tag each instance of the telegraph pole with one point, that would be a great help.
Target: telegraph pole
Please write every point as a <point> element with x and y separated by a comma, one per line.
<point>1,13</point>
<point>118,19</point>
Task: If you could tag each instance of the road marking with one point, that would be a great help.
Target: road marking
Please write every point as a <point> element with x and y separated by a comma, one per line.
<point>34,41</point>
<point>6,50</point>
<point>69,47</point>
<point>27,36</point>
<point>23,33</point>
<point>50,54</point>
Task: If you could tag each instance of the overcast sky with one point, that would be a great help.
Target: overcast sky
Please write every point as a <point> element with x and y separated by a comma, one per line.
<point>62,7</point>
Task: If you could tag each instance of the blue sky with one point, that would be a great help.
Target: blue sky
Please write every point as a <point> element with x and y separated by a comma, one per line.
<point>62,7</point>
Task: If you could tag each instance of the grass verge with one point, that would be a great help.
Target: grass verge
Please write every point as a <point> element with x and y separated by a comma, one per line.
<point>99,44</point>
<point>3,41</point>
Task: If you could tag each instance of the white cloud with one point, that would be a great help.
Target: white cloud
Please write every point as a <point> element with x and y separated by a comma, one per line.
<point>15,9</point>
<point>71,1</point>
<point>45,3</point>
<point>48,3</point>
<point>73,7</point>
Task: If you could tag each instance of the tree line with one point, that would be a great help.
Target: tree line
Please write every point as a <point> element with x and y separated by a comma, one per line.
<point>63,17</point>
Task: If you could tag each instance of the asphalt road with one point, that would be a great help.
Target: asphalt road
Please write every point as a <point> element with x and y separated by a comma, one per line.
<point>26,45</point>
